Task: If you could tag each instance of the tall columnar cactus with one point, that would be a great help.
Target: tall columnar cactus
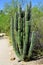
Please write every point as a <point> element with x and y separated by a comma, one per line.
<point>22,37</point>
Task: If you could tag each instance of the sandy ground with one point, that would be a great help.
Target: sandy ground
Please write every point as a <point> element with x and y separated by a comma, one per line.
<point>7,54</point>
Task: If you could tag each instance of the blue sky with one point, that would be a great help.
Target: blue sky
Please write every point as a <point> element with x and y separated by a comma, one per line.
<point>34,2</point>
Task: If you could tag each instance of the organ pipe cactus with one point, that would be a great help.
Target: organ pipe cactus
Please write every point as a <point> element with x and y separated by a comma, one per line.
<point>22,37</point>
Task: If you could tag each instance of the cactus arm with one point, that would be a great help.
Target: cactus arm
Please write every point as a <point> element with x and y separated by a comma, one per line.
<point>31,45</point>
<point>15,46</point>
<point>12,32</point>
<point>27,32</point>
<point>19,29</point>
<point>16,31</point>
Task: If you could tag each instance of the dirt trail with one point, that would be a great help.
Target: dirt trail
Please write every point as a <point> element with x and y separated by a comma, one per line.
<point>6,51</point>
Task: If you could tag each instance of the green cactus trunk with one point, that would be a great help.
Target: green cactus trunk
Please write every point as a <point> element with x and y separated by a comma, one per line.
<point>19,30</point>
<point>16,31</point>
<point>23,40</point>
<point>15,45</point>
<point>27,32</point>
<point>12,32</point>
<point>31,45</point>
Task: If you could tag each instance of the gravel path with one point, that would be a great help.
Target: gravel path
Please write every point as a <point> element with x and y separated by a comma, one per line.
<point>6,53</point>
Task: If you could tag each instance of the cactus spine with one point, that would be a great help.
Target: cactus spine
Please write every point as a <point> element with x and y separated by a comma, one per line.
<point>22,32</point>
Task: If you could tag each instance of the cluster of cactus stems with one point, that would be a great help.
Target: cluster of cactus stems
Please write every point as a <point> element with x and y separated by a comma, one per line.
<point>22,37</point>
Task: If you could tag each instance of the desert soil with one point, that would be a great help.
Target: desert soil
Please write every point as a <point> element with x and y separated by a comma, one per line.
<point>8,56</point>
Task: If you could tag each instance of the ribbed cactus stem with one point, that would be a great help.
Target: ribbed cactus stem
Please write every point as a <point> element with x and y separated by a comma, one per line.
<point>12,32</point>
<point>16,21</point>
<point>27,32</point>
<point>27,13</point>
<point>31,45</point>
<point>19,29</point>
<point>16,31</point>
<point>16,27</point>
<point>26,39</point>
<point>15,46</point>
<point>23,29</point>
